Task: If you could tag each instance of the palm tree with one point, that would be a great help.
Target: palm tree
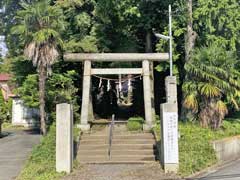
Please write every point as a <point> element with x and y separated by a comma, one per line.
<point>39,26</point>
<point>213,85</point>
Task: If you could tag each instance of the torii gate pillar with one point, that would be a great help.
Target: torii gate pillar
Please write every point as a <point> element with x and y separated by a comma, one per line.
<point>86,96</point>
<point>147,95</point>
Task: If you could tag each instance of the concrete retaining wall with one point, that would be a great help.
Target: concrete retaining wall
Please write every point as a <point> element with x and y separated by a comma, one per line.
<point>227,149</point>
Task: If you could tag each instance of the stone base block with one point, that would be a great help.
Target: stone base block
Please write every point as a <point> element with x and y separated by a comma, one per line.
<point>147,127</point>
<point>84,127</point>
<point>171,168</point>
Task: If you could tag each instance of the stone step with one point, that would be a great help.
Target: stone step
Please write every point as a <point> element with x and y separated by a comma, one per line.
<point>93,146</point>
<point>93,141</point>
<point>82,152</point>
<point>117,141</point>
<point>103,137</point>
<point>116,146</point>
<point>133,136</point>
<point>92,158</point>
<point>133,158</point>
<point>116,162</point>
<point>133,152</point>
<point>132,146</point>
<point>115,152</point>
<point>118,136</point>
<point>133,141</point>
<point>118,158</point>
<point>86,137</point>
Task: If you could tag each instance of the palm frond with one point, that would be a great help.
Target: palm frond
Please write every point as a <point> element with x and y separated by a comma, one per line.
<point>191,102</point>
<point>209,90</point>
<point>221,108</point>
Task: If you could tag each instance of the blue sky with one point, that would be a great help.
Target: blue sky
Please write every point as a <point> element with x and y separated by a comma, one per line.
<point>3,47</point>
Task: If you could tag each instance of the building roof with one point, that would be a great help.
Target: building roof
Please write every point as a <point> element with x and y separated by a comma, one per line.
<point>5,77</point>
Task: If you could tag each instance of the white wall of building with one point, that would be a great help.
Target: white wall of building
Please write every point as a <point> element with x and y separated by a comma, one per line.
<point>22,115</point>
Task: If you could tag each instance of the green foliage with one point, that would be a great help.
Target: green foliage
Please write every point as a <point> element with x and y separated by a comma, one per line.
<point>218,21</point>
<point>213,84</point>
<point>41,164</point>
<point>9,126</point>
<point>5,109</point>
<point>195,150</point>
<point>29,91</point>
<point>37,22</point>
<point>60,89</point>
<point>79,34</point>
<point>135,123</point>
<point>5,65</point>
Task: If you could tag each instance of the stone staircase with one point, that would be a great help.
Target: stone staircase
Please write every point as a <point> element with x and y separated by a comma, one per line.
<point>126,147</point>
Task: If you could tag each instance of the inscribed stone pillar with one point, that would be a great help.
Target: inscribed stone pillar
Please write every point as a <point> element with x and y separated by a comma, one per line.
<point>169,127</point>
<point>169,137</point>
<point>64,138</point>
<point>84,126</point>
<point>147,95</point>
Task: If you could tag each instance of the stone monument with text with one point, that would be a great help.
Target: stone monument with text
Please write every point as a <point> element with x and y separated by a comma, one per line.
<point>169,127</point>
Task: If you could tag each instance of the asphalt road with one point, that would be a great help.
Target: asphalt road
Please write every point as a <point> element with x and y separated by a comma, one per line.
<point>14,151</point>
<point>229,172</point>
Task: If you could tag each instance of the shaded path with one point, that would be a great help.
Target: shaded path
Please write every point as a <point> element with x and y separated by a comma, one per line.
<point>14,151</point>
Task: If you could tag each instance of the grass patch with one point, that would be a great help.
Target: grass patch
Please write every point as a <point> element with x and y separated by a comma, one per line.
<point>195,150</point>
<point>135,124</point>
<point>41,164</point>
<point>7,125</point>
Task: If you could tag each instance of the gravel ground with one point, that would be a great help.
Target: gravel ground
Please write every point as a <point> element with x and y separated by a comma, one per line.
<point>120,172</point>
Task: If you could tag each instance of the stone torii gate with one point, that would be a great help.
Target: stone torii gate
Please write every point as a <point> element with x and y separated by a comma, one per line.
<point>88,58</point>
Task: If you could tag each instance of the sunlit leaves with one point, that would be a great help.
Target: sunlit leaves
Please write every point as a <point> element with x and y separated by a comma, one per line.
<point>191,102</point>
<point>218,21</point>
<point>209,90</point>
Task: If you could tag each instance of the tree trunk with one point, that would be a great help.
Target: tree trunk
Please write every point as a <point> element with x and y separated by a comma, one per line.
<point>0,128</point>
<point>149,50</point>
<point>42,82</point>
<point>191,35</point>
<point>190,39</point>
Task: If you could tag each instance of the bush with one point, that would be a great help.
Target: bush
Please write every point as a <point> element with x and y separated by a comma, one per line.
<point>5,109</point>
<point>135,123</point>
<point>59,89</point>
<point>195,150</point>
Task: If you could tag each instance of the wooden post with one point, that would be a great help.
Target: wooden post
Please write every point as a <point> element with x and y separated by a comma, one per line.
<point>147,95</point>
<point>86,96</point>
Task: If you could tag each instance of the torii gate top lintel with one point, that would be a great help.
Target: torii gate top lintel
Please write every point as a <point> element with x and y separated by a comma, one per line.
<point>78,57</point>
